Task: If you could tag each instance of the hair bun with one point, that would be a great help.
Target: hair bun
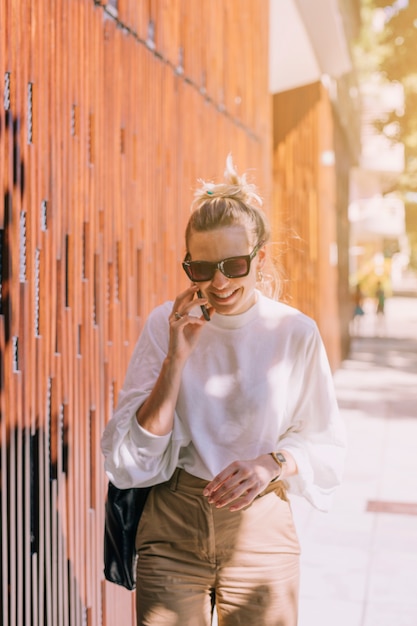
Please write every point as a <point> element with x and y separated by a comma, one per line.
<point>234,186</point>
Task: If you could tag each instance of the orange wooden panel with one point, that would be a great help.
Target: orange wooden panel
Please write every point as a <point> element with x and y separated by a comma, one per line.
<point>304,217</point>
<point>102,139</point>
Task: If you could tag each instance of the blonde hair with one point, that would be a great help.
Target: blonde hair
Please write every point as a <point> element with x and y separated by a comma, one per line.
<point>234,202</point>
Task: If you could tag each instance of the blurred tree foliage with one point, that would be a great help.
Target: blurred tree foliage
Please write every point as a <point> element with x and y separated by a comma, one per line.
<point>388,45</point>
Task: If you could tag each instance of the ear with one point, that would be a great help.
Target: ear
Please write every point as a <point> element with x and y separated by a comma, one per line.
<point>261,258</point>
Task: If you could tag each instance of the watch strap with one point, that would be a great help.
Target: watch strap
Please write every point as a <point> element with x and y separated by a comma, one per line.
<point>279,459</point>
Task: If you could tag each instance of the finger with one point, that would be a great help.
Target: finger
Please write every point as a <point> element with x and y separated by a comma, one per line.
<point>183,298</point>
<point>186,296</point>
<point>220,479</point>
<point>239,502</point>
<point>175,317</point>
<point>243,502</point>
<point>184,320</point>
<point>223,498</point>
<point>194,306</point>
<point>230,489</point>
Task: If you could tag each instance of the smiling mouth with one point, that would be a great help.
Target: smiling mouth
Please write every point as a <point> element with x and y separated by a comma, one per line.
<point>224,295</point>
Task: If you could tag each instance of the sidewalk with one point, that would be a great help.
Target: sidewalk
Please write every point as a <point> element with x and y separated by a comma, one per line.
<point>359,562</point>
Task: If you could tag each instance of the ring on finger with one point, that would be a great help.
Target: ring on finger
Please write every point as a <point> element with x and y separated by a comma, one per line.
<point>177,315</point>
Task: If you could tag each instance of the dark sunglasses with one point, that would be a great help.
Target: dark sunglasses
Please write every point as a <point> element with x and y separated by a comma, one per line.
<point>233,267</point>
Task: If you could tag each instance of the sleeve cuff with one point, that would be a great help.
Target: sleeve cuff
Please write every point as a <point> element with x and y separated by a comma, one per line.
<point>154,444</point>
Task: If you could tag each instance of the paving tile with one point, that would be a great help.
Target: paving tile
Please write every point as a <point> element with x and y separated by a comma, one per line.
<point>396,614</point>
<point>338,578</point>
<point>315,612</point>
<point>396,532</point>
<point>393,577</point>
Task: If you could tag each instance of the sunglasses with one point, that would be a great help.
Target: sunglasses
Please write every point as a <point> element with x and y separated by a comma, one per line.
<point>233,267</point>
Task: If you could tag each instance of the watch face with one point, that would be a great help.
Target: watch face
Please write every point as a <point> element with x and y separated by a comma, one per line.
<point>281,458</point>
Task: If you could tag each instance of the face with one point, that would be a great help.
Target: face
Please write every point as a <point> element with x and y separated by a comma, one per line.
<point>229,296</point>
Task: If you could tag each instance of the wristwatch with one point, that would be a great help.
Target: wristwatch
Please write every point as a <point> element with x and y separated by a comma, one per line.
<point>280,460</point>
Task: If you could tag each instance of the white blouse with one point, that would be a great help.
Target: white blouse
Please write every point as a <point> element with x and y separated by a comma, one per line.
<point>255,383</point>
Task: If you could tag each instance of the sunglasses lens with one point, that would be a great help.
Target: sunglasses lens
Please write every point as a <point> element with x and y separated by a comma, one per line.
<point>237,266</point>
<point>200,271</point>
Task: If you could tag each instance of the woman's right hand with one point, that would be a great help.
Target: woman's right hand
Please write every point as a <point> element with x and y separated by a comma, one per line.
<point>157,412</point>
<point>185,328</point>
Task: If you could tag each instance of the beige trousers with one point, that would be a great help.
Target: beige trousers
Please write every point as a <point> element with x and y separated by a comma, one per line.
<point>187,549</point>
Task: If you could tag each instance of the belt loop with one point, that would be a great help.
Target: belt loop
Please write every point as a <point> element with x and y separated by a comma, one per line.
<point>173,481</point>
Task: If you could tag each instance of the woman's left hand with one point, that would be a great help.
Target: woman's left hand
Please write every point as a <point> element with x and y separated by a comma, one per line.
<point>240,482</point>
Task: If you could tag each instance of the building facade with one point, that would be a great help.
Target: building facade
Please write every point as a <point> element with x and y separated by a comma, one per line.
<point>110,112</point>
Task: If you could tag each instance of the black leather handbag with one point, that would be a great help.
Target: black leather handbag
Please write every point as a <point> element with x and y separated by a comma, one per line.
<point>122,514</point>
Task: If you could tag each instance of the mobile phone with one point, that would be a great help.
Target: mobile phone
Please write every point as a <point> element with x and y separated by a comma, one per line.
<point>203,308</point>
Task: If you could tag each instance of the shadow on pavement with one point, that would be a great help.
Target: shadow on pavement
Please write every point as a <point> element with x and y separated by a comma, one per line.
<point>387,352</point>
<point>379,378</point>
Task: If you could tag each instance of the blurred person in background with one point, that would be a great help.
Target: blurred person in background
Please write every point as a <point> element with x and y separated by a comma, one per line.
<point>380,308</point>
<point>358,311</point>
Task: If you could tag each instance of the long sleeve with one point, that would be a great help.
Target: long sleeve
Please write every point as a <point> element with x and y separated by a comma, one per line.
<point>133,456</point>
<point>317,435</point>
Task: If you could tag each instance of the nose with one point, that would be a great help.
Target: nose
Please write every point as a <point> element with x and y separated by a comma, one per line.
<point>219,280</point>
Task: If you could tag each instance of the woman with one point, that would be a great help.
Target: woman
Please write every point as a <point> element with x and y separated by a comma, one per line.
<point>223,416</point>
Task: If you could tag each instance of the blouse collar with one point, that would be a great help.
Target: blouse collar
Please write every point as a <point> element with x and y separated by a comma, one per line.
<point>240,320</point>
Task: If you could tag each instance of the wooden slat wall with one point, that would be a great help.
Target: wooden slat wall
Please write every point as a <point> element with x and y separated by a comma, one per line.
<point>304,207</point>
<point>107,119</point>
